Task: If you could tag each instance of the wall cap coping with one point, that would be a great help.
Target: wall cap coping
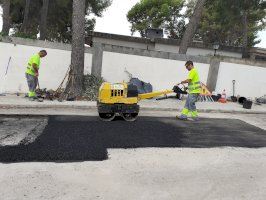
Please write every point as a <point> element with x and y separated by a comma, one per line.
<point>166,41</point>
<point>41,43</point>
<point>132,51</point>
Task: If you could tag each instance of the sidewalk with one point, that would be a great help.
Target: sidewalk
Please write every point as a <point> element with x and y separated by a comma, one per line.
<point>19,102</point>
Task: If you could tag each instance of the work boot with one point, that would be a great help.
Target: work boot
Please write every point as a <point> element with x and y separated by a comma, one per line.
<point>36,99</point>
<point>182,117</point>
<point>195,119</point>
<point>32,98</point>
<point>194,116</point>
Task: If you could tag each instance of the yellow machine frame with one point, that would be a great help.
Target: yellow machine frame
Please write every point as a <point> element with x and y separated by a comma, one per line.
<point>114,99</point>
<point>105,94</point>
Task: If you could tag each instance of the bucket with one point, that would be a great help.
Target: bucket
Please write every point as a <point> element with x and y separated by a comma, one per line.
<point>234,99</point>
<point>241,100</point>
<point>247,104</point>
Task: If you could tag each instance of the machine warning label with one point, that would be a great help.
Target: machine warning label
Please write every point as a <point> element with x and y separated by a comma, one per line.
<point>117,87</point>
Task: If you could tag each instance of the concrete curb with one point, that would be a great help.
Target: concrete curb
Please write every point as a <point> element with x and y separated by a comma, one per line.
<point>47,106</point>
<point>207,110</point>
<point>94,107</point>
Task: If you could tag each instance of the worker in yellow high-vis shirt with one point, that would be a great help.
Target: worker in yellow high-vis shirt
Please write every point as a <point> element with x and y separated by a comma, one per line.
<point>32,73</point>
<point>194,90</point>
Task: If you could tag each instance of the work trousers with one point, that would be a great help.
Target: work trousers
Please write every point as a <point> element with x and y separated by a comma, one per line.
<point>32,84</point>
<point>190,106</point>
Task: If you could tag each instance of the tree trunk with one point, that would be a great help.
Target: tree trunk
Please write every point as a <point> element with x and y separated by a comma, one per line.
<point>191,27</point>
<point>75,79</point>
<point>6,17</point>
<point>25,24</point>
<point>43,24</point>
<point>245,35</point>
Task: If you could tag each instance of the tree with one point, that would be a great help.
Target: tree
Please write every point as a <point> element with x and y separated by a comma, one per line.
<point>75,81</point>
<point>58,19</point>
<point>157,14</point>
<point>191,27</point>
<point>43,22</point>
<point>229,23</point>
<point>25,24</point>
<point>74,86</point>
<point>6,17</point>
<point>248,10</point>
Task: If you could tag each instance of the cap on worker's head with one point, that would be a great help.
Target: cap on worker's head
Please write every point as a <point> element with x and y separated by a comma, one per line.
<point>189,63</point>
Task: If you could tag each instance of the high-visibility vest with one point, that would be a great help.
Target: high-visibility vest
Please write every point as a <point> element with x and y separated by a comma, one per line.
<point>194,87</point>
<point>36,59</point>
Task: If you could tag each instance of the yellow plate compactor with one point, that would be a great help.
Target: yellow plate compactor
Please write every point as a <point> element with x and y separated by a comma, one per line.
<point>121,99</point>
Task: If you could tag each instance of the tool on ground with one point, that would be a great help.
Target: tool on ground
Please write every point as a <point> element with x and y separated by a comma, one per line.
<point>261,100</point>
<point>51,94</point>
<point>179,92</point>
<point>143,87</point>
<point>234,98</point>
<point>241,100</point>
<point>4,78</point>
<point>121,99</point>
<point>8,65</point>
<point>247,104</point>
<point>39,97</point>
<point>59,90</point>
<point>38,84</point>
<point>205,95</point>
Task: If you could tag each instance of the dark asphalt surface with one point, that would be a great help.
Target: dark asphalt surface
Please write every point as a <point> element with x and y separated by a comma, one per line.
<point>76,138</point>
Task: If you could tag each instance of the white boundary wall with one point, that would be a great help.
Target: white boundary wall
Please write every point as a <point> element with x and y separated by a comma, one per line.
<point>52,70</point>
<point>250,80</point>
<point>161,73</point>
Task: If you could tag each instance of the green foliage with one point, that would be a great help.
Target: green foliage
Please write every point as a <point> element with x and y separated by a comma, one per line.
<point>157,14</point>
<point>223,21</point>
<point>24,35</point>
<point>1,34</point>
<point>91,85</point>
<point>59,20</point>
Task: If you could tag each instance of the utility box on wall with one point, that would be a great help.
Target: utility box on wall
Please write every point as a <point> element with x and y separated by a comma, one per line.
<point>153,33</point>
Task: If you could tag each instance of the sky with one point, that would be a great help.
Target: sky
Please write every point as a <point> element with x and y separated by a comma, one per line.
<point>114,20</point>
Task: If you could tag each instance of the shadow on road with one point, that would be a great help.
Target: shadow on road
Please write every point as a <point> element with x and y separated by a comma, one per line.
<point>75,138</point>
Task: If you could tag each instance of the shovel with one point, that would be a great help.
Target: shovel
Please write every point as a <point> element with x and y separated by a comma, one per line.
<point>38,85</point>
<point>233,98</point>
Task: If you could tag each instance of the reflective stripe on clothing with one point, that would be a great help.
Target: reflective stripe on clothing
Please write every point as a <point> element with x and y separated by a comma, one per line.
<point>194,89</point>
<point>35,59</point>
<point>32,84</point>
<point>194,83</point>
<point>30,71</point>
<point>191,102</point>
<point>194,86</point>
<point>190,107</point>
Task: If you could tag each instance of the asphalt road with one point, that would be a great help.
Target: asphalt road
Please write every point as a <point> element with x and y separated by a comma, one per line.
<point>79,138</point>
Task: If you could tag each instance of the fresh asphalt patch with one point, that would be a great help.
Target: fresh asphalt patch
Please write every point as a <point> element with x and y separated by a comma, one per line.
<point>77,138</point>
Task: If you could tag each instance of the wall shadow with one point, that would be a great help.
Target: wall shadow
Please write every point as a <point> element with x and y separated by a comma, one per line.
<point>76,138</point>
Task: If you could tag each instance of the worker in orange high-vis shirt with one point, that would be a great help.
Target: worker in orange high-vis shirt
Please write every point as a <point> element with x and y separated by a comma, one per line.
<point>194,90</point>
<point>32,73</point>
